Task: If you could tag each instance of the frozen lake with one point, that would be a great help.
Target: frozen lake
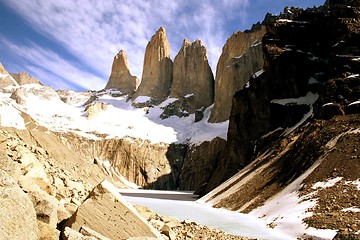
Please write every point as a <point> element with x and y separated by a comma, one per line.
<point>182,205</point>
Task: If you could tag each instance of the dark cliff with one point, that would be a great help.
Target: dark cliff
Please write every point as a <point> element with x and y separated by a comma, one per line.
<point>311,64</point>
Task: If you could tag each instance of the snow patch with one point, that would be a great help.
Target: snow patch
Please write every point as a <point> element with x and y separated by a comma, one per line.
<point>119,120</point>
<point>10,116</point>
<point>258,73</point>
<point>351,209</point>
<point>313,80</point>
<point>353,76</point>
<point>142,99</point>
<point>354,103</point>
<point>327,184</point>
<point>356,183</point>
<point>328,104</point>
<point>188,95</point>
<point>286,210</point>
<point>309,99</point>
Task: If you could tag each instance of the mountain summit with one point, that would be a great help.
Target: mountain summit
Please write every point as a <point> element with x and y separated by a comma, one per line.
<point>157,70</point>
<point>120,77</point>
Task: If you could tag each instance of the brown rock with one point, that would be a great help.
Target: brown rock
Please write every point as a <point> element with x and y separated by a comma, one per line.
<point>157,71</point>
<point>70,234</point>
<point>241,57</point>
<point>192,75</point>
<point>120,77</point>
<point>5,78</point>
<point>24,78</point>
<point>48,232</point>
<point>19,95</point>
<point>17,214</point>
<point>94,109</point>
<point>107,213</point>
<point>168,232</point>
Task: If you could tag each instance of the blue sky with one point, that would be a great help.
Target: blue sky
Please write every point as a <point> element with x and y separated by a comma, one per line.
<point>70,44</point>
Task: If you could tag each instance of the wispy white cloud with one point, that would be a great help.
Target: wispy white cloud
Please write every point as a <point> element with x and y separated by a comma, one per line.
<point>52,69</point>
<point>95,30</point>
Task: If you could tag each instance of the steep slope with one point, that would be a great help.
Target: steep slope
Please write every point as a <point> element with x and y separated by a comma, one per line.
<point>120,77</point>
<point>297,124</point>
<point>157,70</point>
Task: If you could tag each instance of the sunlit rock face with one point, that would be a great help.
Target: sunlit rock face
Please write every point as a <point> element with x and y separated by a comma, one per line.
<point>157,71</point>
<point>24,78</point>
<point>193,80</point>
<point>5,78</point>
<point>241,57</point>
<point>120,78</point>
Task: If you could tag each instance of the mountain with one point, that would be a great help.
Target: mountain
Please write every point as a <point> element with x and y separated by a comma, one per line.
<point>5,78</point>
<point>157,70</point>
<point>241,57</point>
<point>120,77</point>
<point>292,129</point>
<point>280,143</point>
<point>24,78</point>
<point>193,80</point>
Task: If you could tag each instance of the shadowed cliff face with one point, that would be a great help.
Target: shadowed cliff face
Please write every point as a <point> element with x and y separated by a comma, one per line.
<point>241,57</point>
<point>157,71</point>
<point>303,56</point>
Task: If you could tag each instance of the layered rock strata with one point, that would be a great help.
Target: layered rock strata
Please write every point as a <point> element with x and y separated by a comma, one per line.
<point>241,57</point>
<point>157,70</point>
<point>120,77</point>
<point>105,205</point>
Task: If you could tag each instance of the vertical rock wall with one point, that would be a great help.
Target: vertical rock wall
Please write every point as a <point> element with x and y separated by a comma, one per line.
<point>157,71</point>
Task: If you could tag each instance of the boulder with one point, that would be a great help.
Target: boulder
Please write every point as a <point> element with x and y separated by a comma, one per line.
<point>19,95</point>
<point>120,77</point>
<point>106,212</point>
<point>48,232</point>
<point>94,109</point>
<point>241,57</point>
<point>157,70</point>
<point>17,213</point>
<point>70,234</point>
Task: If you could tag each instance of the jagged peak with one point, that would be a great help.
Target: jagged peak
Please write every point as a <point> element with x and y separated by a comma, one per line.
<point>122,58</point>
<point>186,42</point>
<point>121,54</point>
<point>161,31</point>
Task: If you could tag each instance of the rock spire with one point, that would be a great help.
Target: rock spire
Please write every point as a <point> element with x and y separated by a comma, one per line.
<point>157,70</point>
<point>193,80</point>
<point>120,77</point>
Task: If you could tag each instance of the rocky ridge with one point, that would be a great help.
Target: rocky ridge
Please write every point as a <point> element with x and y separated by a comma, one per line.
<point>24,78</point>
<point>313,84</point>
